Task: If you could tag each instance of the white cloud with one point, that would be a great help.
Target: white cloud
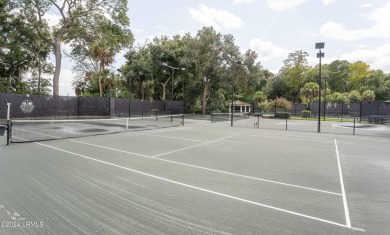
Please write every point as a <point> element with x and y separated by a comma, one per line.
<point>377,58</point>
<point>327,2</point>
<point>65,83</point>
<point>216,18</point>
<point>161,28</point>
<point>314,35</point>
<point>380,18</point>
<point>338,31</point>
<point>237,2</point>
<point>281,5</point>
<point>267,50</point>
<point>52,19</point>
<point>365,5</point>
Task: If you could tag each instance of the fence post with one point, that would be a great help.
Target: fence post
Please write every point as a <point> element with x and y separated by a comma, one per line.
<point>286,123</point>
<point>129,108</point>
<point>377,112</point>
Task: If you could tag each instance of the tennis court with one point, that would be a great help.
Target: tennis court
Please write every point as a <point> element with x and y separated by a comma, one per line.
<point>200,178</point>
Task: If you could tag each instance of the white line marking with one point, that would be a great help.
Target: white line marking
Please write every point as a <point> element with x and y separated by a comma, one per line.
<point>263,135</point>
<point>193,146</point>
<point>170,137</point>
<point>210,169</point>
<point>347,218</point>
<point>200,189</point>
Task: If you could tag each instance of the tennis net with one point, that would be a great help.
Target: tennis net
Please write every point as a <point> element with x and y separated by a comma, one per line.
<point>223,117</point>
<point>41,130</point>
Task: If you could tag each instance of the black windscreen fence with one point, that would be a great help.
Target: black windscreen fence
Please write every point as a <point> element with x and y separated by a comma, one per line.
<point>39,107</point>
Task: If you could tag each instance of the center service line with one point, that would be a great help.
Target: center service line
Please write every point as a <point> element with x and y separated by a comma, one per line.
<point>347,218</point>
<point>201,189</point>
<point>193,146</point>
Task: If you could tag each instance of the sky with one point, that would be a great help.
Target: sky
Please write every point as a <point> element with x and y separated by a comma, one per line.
<point>352,30</point>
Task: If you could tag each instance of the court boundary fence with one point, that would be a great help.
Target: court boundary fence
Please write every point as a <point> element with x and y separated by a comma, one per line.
<point>25,106</point>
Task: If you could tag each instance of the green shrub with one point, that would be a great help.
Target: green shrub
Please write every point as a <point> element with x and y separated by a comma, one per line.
<point>282,115</point>
<point>306,113</point>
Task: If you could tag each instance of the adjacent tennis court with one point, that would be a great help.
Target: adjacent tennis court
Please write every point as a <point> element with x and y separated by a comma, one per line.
<point>200,178</point>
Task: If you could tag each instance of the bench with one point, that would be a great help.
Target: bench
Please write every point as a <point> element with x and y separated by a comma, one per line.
<point>378,119</point>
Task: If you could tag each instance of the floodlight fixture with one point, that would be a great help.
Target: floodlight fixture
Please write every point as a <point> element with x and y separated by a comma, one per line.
<point>320,45</point>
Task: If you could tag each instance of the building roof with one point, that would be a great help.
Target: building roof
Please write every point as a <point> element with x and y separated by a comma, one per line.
<point>238,103</point>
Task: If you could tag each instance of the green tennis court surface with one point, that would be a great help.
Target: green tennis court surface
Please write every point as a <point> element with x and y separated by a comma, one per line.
<point>201,178</point>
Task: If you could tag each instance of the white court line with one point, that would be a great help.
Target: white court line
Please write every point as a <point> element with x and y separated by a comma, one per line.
<point>193,146</point>
<point>170,137</point>
<point>263,135</point>
<point>201,189</point>
<point>213,170</point>
<point>347,218</point>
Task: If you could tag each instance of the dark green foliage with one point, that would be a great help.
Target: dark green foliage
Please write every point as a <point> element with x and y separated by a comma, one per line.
<point>282,115</point>
<point>306,114</point>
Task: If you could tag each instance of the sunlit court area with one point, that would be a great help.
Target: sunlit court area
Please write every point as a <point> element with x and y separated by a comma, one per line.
<point>202,177</point>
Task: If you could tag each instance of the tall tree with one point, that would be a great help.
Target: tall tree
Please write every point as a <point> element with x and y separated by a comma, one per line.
<point>94,48</point>
<point>295,71</point>
<point>358,72</point>
<point>379,83</point>
<point>205,51</point>
<point>338,75</point>
<point>310,91</point>
<point>22,51</point>
<point>73,14</point>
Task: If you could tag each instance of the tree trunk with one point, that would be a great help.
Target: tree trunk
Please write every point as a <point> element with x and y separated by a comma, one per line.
<point>204,98</point>
<point>39,75</point>
<point>57,71</point>
<point>143,90</point>
<point>100,82</point>
<point>164,87</point>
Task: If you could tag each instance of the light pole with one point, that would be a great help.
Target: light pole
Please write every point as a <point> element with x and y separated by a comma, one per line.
<point>234,62</point>
<point>173,74</point>
<point>319,45</point>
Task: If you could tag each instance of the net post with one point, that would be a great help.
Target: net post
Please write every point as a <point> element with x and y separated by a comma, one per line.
<point>171,117</point>
<point>156,117</point>
<point>286,123</point>
<point>182,119</point>
<point>8,111</point>
<point>212,117</point>
<point>354,125</point>
<point>127,124</point>
<point>258,121</point>
<point>9,131</point>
